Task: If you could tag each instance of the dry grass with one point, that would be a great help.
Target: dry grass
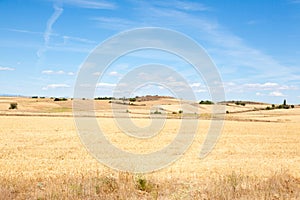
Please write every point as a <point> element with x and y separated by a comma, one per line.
<point>43,158</point>
<point>129,186</point>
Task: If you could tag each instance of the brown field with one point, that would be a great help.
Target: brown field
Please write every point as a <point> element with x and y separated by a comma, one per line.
<point>41,156</point>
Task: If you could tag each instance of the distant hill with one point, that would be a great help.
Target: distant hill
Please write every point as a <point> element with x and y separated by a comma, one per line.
<point>153,98</point>
<point>245,102</point>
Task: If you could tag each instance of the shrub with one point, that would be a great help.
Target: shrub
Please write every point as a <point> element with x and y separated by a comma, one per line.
<point>240,103</point>
<point>13,106</point>
<point>268,108</point>
<point>227,112</point>
<point>180,111</point>
<point>132,99</point>
<point>207,102</point>
<point>286,106</point>
<point>60,99</point>
<point>34,97</point>
<point>156,112</point>
<point>273,106</point>
<point>104,98</point>
<point>292,106</point>
<point>106,185</point>
<point>145,185</point>
<point>174,112</point>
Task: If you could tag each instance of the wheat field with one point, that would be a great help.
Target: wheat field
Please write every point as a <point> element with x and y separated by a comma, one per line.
<point>41,157</point>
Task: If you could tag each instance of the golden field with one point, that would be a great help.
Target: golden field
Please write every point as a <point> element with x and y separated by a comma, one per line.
<point>41,156</point>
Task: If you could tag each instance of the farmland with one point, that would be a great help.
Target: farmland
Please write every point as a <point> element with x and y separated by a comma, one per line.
<point>42,157</point>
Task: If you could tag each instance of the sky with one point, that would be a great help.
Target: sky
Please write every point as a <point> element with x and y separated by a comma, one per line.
<point>255,45</point>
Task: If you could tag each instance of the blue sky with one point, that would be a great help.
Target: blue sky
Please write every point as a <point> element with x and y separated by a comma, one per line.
<point>254,44</point>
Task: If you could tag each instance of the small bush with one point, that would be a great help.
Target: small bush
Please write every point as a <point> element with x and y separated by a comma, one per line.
<point>268,108</point>
<point>240,103</point>
<point>227,112</point>
<point>132,99</point>
<point>106,185</point>
<point>292,106</point>
<point>156,112</point>
<point>145,185</point>
<point>180,111</point>
<point>174,113</point>
<point>286,106</point>
<point>207,102</point>
<point>34,97</point>
<point>60,99</point>
<point>13,106</point>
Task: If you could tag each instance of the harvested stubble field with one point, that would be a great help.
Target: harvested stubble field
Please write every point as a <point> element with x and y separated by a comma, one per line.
<point>41,157</point>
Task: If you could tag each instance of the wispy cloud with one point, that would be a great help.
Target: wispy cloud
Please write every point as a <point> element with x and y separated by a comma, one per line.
<point>225,47</point>
<point>77,39</point>
<point>198,87</point>
<point>182,5</point>
<point>59,72</point>
<point>114,73</point>
<point>260,89</point>
<point>91,4</point>
<point>55,86</point>
<point>99,85</point>
<point>115,23</point>
<point>6,69</point>
<point>295,1</point>
<point>23,31</point>
<point>252,22</point>
<point>276,94</point>
<point>48,32</point>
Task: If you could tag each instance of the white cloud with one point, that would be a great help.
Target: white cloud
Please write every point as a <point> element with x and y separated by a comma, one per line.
<point>60,72</point>
<point>91,4</point>
<point>105,85</point>
<point>114,73</point>
<point>6,69</point>
<point>198,87</point>
<point>226,48</point>
<point>54,86</point>
<point>77,39</point>
<point>182,5</point>
<point>295,1</point>
<point>115,23</point>
<point>97,73</point>
<point>276,94</point>
<point>23,31</point>
<point>252,22</point>
<point>71,73</point>
<point>195,84</point>
<point>261,86</point>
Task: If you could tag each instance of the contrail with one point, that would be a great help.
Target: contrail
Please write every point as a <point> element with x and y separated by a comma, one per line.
<point>48,32</point>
